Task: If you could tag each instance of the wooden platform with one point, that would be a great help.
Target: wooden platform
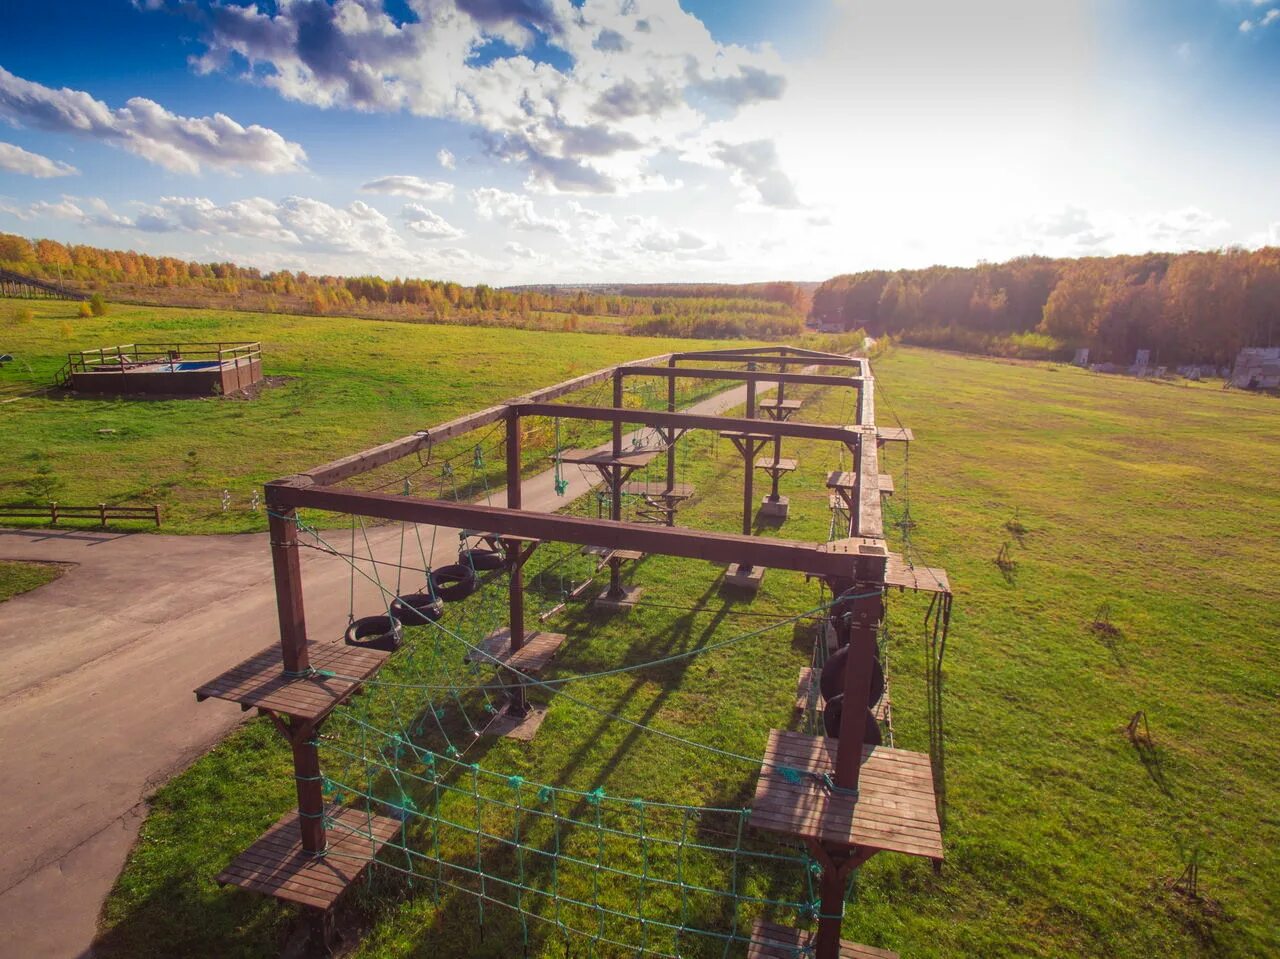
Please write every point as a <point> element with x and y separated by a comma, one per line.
<point>276,866</point>
<point>531,658</point>
<point>741,435</point>
<point>778,404</point>
<point>922,579</point>
<point>894,811</point>
<point>608,552</point>
<point>493,539</point>
<point>806,685</point>
<point>841,479</point>
<point>771,941</point>
<point>893,434</point>
<point>660,490</point>
<point>260,680</point>
<point>634,459</point>
<point>772,465</point>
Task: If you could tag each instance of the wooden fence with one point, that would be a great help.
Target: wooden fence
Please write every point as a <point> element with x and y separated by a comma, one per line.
<point>102,512</point>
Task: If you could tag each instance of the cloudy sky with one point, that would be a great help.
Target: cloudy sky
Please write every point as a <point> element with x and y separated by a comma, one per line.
<point>513,141</point>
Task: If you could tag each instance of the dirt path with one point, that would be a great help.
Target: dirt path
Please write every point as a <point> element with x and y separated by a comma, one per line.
<point>96,677</point>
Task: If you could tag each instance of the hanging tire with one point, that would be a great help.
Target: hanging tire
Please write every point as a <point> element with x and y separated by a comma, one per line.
<point>375,632</point>
<point>482,560</point>
<point>831,680</point>
<point>454,582</point>
<point>417,609</point>
<point>831,722</point>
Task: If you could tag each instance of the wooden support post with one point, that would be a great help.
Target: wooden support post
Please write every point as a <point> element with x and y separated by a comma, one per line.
<point>671,448</point>
<point>855,500</point>
<point>102,513</point>
<point>613,477</point>
<point>306,771</point>
<point>518,705</point>
<point>864,614</point>
<point>836,867</point>
<point>777,440</point>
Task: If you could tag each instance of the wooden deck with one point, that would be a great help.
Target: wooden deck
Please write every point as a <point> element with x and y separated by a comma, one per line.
<point>772,465</point>
<point>894,434</point>
<point>531,658</point>
<point>771,941</point>
<point>741,435</point>
<point>276,866</point>
<point>791,405</point>
<point>261,681</point>
<point>894,811</point>
<point>922,579</point>
<point>608,552</point>
<point>660,490</point>
<point>635,459</point>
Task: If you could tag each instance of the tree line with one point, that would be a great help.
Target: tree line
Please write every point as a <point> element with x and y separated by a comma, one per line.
<point>1198,307</point>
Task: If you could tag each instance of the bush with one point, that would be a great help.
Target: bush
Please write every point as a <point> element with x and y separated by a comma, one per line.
<point>97,305</point>
<point>22,315</point>
<point>85,310</point>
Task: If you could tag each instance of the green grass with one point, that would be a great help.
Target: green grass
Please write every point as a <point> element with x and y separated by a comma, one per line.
<point>348,384</point>
<point>18,578</point>
<point>1061,836</point>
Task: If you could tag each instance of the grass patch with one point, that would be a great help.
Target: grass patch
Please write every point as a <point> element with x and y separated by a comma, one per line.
<point>17,578</point>
<point>1064,827</point>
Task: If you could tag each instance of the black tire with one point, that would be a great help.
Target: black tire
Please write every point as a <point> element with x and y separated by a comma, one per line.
<point>417,609</point>
<point>482,560</point>
<point>831,680</point>
<point>454,582</point>
<point>831,722</point>
<point>375,632</point>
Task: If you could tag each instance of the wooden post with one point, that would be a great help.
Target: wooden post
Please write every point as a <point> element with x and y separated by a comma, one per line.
<point>671,450</point>
<point>749,456</point>
<point>306,771</point>
<point>288,575</point>
<point>777,440</point>
<point>518,706</point>
<point>156,507</point>
<point>53,514</point>
<point>826,944</point>
<point>614,478</point>
<point>102,513</point>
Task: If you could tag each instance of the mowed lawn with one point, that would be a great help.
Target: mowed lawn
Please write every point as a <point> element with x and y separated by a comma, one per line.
<point>1151,507</point>
<point>347,384</point>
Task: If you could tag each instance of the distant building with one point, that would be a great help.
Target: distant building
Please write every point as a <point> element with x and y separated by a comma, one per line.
<point>1082,357</point>
<point>1257,369</point>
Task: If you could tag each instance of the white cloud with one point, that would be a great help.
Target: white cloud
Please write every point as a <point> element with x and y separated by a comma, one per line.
<point>14,159</point>
<point>411,186</point>
<point>515,211</point>
<point>1246,26</point>
<point>755,168</point>
<point>144,127</point>
<point>426,223</point>
<point>446,159</point>
<point>520,250</point>
<point>640,75</point>
<point>1270,17</point>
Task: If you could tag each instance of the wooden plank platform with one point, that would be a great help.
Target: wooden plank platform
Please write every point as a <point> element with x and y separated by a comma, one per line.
<point>922,579</point>
<point>741,435</point>
<point>894,811</point>
<point>660,490</point>
<point>608,552</point>
<point>494,538</point>
<point>260,680</point>
<point>276,866</point>
<point>841,479</point>
<point>771,465</point>
<point>771,941</point>
<point>632,458</point>
<point>894,434</point>
<point>778,404</point>
<point>531,658</point>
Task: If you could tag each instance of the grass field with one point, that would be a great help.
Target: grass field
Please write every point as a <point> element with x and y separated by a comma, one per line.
<point>17,578</point>
<point>1156,506</point>
<point>348,384</point>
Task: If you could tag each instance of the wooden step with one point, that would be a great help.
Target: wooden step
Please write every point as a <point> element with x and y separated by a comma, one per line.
<point>276,864</point>
<point>530,659</point>
<point>771,941</point>
<point>260,681</point>
<point>773,465</point>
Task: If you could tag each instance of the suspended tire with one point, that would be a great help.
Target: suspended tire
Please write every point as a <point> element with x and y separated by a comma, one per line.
<point>454,582</point>
<point>417,609</point>
<point>482,560</point>
<point>375,632</point>
<point>831,722</point>
<point>831,680</point>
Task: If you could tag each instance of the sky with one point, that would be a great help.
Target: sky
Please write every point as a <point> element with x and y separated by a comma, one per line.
<point>567,141</point>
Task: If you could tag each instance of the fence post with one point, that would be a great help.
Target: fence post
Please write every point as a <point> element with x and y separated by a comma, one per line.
<point>156,507</point>
<point>53,514</point>
<point>102,511</point>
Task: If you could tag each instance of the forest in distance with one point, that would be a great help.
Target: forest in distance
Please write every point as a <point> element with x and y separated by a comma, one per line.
<point>1195,307</point>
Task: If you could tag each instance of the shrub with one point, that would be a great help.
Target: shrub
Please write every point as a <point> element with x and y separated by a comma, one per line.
<point>85,309</point>
<point>97,305</point>
<point>22,315</point>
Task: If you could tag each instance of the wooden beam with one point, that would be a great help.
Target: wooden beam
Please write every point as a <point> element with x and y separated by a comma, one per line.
<point>694,421</point>
<point>746,376</point>
<point>865,558</point>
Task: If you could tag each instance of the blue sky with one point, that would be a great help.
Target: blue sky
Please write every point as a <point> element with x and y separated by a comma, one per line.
<point>513,141</point>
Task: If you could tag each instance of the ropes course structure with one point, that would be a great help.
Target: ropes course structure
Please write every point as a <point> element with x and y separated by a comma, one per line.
<point>384,777</point>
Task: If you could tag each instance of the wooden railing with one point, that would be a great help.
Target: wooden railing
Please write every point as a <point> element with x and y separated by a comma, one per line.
<point>102,512</point>
<point>133,355</point>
